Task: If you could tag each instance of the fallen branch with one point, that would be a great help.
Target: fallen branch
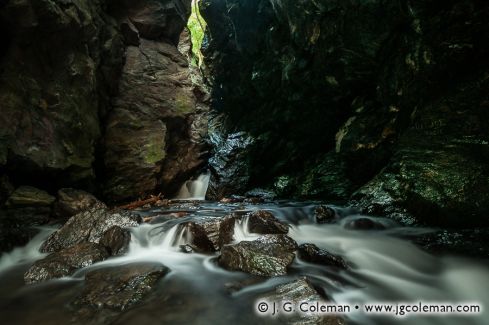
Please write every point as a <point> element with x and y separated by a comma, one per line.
<point>133,205</point>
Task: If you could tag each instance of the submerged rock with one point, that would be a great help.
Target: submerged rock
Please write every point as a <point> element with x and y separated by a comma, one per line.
<point>65,262</point>
<point>297,292</point>
<point>364,224</point>
<point>269,255</point>
<point>264,222</point>
<point>312,254</point>
<point>210,234</point>
<point>71,201</point>
<point>88,226</point>
<point>120,287</point>
<point>116,240</point>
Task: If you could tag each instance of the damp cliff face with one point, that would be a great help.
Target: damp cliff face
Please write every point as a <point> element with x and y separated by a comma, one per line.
<point>155,133</point>
<point>383,103</point>
<point>95,94</point>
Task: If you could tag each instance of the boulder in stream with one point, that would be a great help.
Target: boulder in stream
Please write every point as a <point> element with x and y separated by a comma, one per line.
<point>269,255</point>
<point>88,226</point>
<point>116,240</point>
<point>324,214</point>
<point>210,234</point>
<point>264,222</point>
<point>312,254</point>
<point>297,292</point>
<point>120,287</point>
<point>65,262</point>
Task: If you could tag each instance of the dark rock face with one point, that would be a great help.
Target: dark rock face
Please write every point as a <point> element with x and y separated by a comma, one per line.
<point>6,189</point>
<point>95,95</point>
<point>384,100</point>
<point>156,130</point>
<point>312,254</point>
<point>27,196</point>
<point>116,240</point>
<point>229,165</point>
<point>65,262</point>
<point>467,242</point>
<point>88,226</point>
<point>121,287</point>
<point>297,292</point>
<point>269,255</point>
<point>26,208</point>
<point>264,222</point>
<point>57,74</point>
<point>71,202</point>
<point>210,234</point>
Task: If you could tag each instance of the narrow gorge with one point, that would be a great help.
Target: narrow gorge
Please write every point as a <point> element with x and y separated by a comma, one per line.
<point>219,161</point>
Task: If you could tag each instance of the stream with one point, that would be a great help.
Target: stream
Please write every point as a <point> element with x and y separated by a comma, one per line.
<point>385,267</point>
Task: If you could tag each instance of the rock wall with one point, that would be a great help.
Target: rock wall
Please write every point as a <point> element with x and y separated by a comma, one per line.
<point>96,95</point>
<point>155,133</point>
<point>380,103</point>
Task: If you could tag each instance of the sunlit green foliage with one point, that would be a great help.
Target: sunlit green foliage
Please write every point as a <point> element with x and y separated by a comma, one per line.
<point>197,26</point>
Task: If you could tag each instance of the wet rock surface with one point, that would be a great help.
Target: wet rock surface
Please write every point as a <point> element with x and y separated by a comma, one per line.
<point>88,226</point>
<point>324,214</point>
<point>210,234</point>
<point>116,240</point>
<point>229,165</point>
<point>65,262</point>
<point>312,254</point>
<point>121,287</point>
<point>269,255</point>
<point>264,222</point>
<point>296,292</point>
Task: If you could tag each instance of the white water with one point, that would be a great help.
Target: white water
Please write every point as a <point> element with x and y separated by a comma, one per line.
<point>195,189</point>
<point>388,269</point>
<point>26,254</point>
<point>242,232</point>
<point>384,268</point>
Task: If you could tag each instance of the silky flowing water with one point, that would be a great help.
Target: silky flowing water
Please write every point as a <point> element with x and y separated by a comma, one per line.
<point>385,267</point>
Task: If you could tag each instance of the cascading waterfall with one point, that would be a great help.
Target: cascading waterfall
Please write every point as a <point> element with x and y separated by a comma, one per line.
<point>384,268</point>
<point>195,189</point>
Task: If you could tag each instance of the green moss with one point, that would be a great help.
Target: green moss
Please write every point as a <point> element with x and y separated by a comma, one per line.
<point>154,152</point>
<point>183,103</point>
<point>197,26</point>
